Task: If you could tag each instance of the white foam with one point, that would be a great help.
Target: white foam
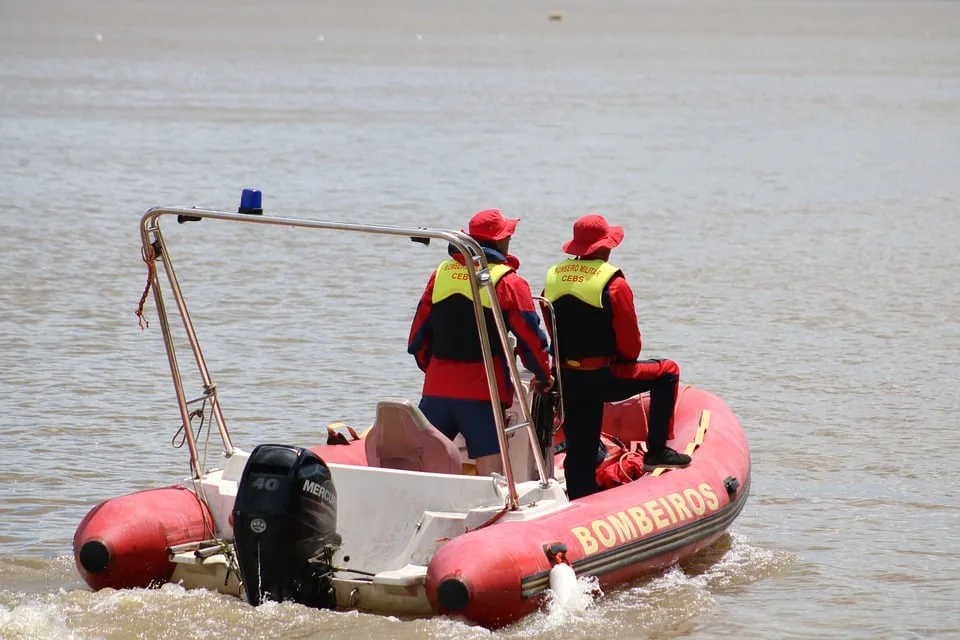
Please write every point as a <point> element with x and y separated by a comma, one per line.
<point>33,620</point>
<point>560,612</point>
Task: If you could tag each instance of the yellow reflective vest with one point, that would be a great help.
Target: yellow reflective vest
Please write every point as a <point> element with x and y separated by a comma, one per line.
<point>583,279</point>
<point>453,278</point>
<point>455,335</point>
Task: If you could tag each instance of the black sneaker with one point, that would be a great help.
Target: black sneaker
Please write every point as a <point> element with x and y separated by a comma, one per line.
<point>668,458</point>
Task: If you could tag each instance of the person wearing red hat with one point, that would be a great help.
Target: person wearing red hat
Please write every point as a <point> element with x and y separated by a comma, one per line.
<point>599,344</point>
<point>445,341</point>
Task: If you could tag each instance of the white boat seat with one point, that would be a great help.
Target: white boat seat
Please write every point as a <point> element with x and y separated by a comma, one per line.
<point>402,438</point>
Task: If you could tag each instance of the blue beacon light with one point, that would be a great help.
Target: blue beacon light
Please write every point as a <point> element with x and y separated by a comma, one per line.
<point>251,202</point>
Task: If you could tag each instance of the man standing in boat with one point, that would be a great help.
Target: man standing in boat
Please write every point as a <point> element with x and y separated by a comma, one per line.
<point>599,342</point>
<point>446,343</point>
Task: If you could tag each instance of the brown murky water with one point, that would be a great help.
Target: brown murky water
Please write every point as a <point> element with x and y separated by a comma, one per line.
<point>787,174</point>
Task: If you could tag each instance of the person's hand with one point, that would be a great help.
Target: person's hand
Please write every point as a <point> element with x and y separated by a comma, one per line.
<point>542,387</point>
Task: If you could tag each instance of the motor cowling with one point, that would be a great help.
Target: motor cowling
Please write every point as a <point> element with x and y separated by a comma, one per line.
<point>285,527</point>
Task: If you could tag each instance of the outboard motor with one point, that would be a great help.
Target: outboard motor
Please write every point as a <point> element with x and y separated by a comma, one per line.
<point>285,527</point>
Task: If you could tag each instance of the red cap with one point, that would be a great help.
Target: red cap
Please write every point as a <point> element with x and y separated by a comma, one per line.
<point>490,225</point>
<point>591,233</point>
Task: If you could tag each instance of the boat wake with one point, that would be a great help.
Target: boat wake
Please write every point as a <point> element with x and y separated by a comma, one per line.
<point>42,599</point>
<point>673,600</point>
<point>668,601</point>
<point>28,618</point>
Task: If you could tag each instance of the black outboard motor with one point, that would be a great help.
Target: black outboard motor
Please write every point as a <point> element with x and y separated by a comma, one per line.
<point>285,527</point>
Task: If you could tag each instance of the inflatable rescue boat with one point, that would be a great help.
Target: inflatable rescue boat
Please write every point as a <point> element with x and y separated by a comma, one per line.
<point>284,522</point>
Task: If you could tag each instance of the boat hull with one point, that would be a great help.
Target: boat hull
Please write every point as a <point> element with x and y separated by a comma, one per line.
<point>494,574</point>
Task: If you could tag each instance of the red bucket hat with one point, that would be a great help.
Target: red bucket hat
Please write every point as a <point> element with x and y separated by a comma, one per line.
<point>490,225</point>
<point>591,233</point>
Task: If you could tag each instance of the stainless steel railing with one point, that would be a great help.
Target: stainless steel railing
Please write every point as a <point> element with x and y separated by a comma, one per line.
<point>155,250</point>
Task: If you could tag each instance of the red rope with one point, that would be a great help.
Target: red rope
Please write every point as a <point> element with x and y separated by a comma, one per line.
<point>492,520</point>
<point>623,472</point>
<point>151,269</point>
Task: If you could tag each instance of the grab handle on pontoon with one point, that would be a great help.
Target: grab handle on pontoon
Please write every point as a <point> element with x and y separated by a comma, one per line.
<point>556,360</point>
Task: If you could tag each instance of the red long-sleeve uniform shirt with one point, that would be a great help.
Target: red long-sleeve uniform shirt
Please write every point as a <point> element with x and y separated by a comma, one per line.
<point>468,380</point>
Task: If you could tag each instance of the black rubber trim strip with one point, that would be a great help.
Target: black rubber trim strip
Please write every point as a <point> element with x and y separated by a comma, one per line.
<point>644,548</point>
